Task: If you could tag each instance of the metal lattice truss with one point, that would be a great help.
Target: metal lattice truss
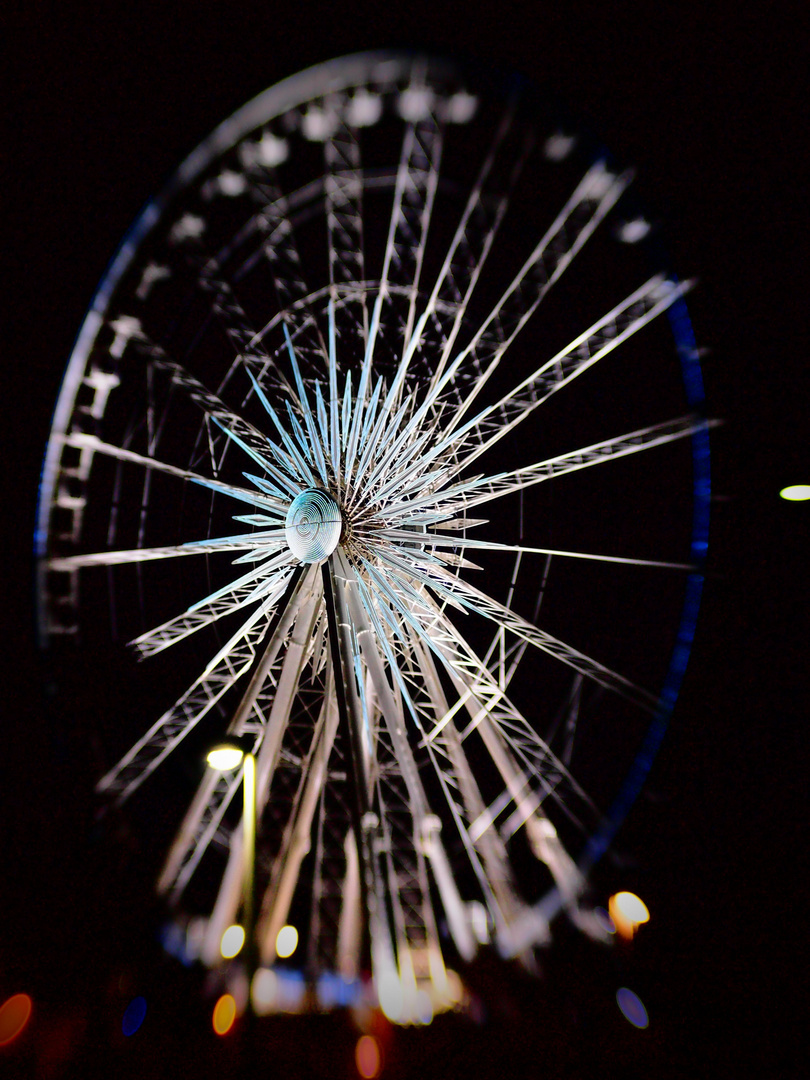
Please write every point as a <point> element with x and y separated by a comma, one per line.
<point>389,752</point>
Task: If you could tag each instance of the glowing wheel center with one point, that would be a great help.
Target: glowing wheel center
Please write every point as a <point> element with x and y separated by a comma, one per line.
<point>313,526</point>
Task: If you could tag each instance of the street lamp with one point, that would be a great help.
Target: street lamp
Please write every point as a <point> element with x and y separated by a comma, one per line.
<point>224,757</point>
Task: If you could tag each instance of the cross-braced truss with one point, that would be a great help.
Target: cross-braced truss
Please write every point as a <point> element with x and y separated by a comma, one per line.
<point>308,315</point>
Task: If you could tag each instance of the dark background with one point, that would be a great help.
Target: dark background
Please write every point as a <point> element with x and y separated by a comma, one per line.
<point>100,109</point>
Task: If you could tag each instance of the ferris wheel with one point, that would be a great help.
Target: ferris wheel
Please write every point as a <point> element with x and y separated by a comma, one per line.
<point>380,453</point>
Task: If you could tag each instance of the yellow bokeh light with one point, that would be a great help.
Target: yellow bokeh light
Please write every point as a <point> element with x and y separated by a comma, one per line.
<point>628,912</point>
<point>232,941</point>
<point>224,1014</point>
<point>286,942</point>
<point>14,1015</point>
<point>225,758</point>
<point>796,492</point>
<point>367,1057</point>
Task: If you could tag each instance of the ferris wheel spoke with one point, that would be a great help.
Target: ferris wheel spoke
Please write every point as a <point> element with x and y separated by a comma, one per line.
<point>91,444</point>
<point>292,458</point>
<point>404,815</point>
<point>229,664</point>
<point>451,587</point>
<point>393,441</point>
<point>436,540</point>
<point>315,420</point>
<point>417,179</point>
<point>189,622</point>
<point>471,244</point>
<point>402,767</point>
<point>482,696</point>
<point>490,425</point>
<point>409,430</point>
<point>297,620</point>
<point>526,790</point>
<point>414,192</point>
<point>481,489</point>
<point>247,343</point>
<point>595,195</point>
<point>295,841</point>
<point>481,693</point>
<point>200,825</point>
<point>496,887</point>
<point>232,661</point>
<point>266,575</point>
<point>255,444</point>
<point>344,222</point>
<point>281,256</point>
<point>273,540</point>
<point>485,848</point>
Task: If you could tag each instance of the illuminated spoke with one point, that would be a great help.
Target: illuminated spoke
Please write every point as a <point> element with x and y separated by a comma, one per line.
<point>344,222</point>
<point>481,489</point>
<point>196,547</point>
<point>489,426</point>
<point>204,614</point>
<point>595,195</point>
<point>433,540</point>
<point>488,202</point>
<point>245,435</point>
<point>222,671</point>
<point>461,593</point>
<point>92,445</point>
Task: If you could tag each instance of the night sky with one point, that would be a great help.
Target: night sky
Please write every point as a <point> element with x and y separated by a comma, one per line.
<point>713,112</point>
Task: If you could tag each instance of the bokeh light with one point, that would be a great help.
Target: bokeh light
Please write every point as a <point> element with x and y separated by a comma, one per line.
<point>225,757</point>
<point>264,991</point>
<point>134,1015</point>
<point>367,1057</point>
<point>628,912</point>
<point>224,1014</point>
<point>232,941</point>
<point>630,232</point>
<point>796,492</point>
<point>286,942</point>
<point>14,1015</point>
<point>389,994</point>
<point>292,989</point>
<point>632,1007</point>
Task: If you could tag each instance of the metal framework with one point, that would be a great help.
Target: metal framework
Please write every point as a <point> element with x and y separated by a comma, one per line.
<point>284,328</point>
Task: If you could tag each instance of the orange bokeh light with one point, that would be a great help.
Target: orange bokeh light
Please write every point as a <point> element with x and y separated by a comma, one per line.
<point>14,1015</point>
<point>367,1057</point>
<point>224,1014</point>
<point>628,912</point>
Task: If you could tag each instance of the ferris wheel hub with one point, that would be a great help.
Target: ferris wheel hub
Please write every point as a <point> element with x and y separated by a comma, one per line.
<point>313,526</point>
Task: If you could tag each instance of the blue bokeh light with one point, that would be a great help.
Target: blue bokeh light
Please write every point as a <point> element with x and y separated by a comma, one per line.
<point>632,1007</point>
<point>134,1016</point>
